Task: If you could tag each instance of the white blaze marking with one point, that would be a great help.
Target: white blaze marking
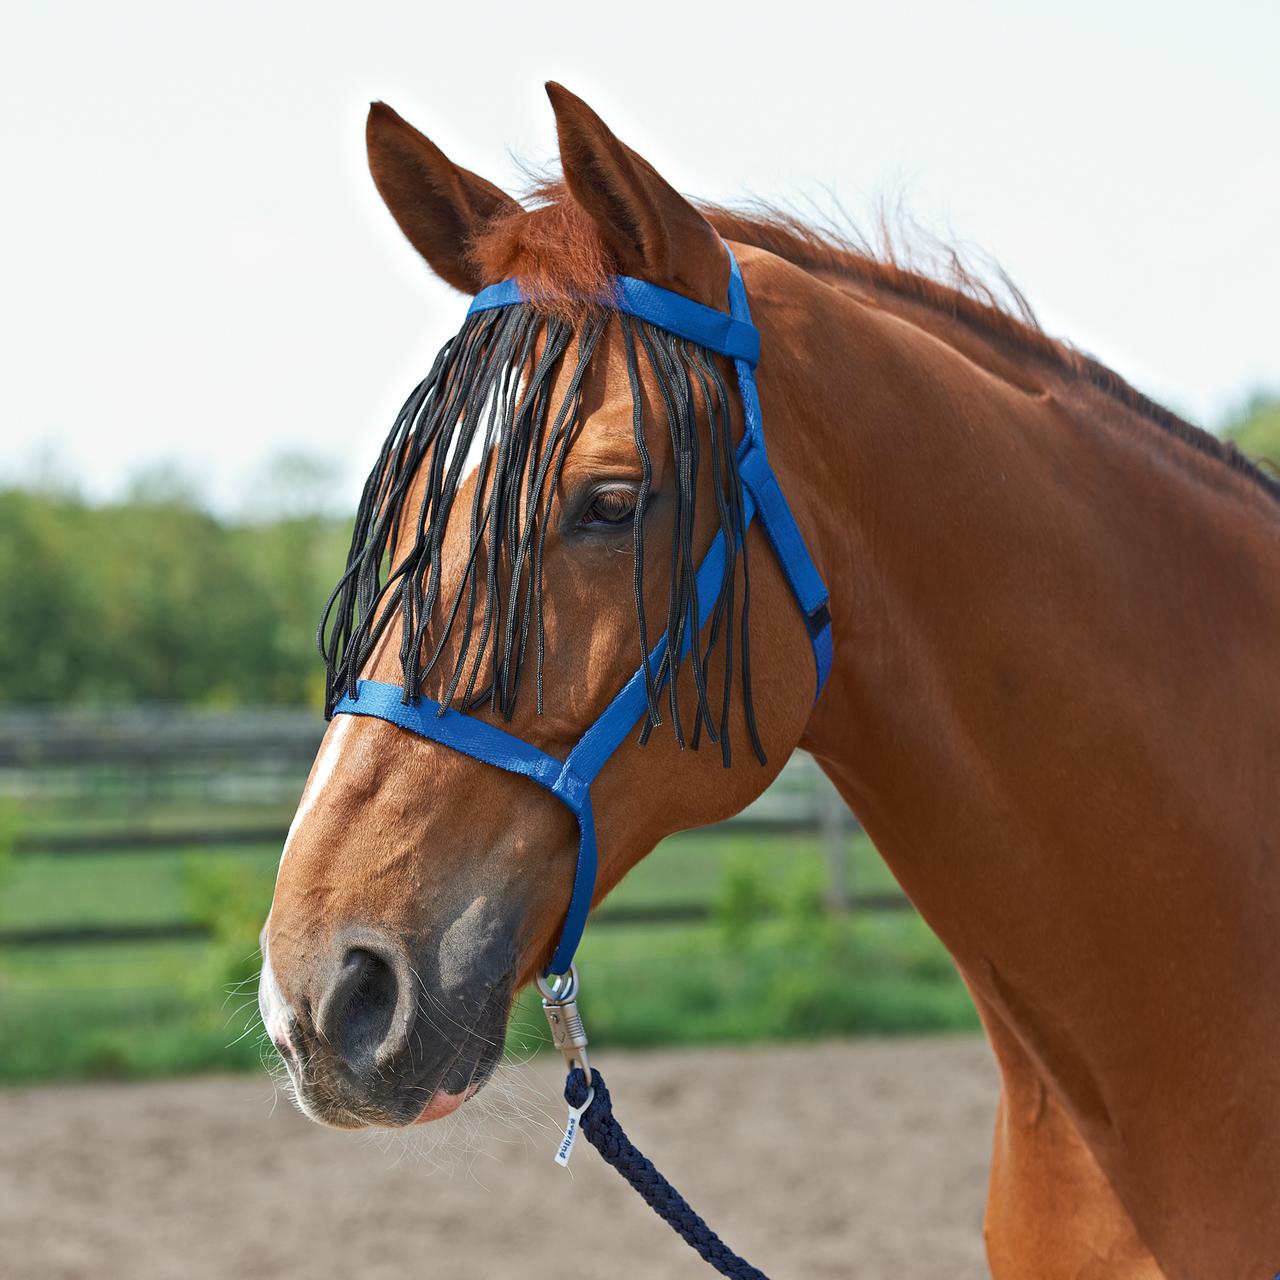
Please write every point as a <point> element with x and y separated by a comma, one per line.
<point>333,742</point>
<point>320,776</point>
<point>271,1005</point>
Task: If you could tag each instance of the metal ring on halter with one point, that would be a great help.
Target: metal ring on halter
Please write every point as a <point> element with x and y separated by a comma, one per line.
<point>551,989</point>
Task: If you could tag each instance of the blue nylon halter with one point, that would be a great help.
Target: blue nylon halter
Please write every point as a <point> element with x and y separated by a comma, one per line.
<point>570,780</point>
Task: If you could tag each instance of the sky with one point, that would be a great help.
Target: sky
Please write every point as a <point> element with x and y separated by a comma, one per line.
<point>196,271</point>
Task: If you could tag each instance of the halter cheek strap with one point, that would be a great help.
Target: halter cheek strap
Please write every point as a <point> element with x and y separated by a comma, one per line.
<point>570,780</point>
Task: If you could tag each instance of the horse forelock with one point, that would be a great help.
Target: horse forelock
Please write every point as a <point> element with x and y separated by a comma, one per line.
<point>510,385</point>
<point>553,249</point>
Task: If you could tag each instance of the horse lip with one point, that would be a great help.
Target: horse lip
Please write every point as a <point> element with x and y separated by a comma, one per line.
<point>328,1106</point>
<point>442,1103</point>
<point>337,1115</point>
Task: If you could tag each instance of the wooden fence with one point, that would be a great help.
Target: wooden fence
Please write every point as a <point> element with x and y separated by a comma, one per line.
<point>159,779</point>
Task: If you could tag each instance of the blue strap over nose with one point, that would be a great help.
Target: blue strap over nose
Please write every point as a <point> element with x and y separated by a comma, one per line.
<point>483,741</point>
<point>570,780</point>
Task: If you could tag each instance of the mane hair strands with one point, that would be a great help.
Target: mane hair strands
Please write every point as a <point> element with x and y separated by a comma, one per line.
<point>489,398</point>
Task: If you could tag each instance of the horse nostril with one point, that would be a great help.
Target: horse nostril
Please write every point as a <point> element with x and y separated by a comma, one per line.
<point>365,1013</point>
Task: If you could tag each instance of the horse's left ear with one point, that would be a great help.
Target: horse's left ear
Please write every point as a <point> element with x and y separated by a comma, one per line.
<point>652,230</point>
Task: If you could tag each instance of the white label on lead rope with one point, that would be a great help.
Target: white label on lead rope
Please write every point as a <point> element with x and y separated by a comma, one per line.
<point>565,1149</point>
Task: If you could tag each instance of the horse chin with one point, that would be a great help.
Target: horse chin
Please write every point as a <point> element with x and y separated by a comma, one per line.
<point>346,1116</point>
<point>331,1102</point>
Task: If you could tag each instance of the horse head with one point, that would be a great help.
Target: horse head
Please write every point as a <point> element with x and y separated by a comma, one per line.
<point>534,524</point>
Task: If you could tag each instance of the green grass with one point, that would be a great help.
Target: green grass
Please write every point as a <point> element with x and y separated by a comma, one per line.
<point>146,887</point>
<point>691,868</point>
<point>120,1011</point>
<point>126,888</point>
<point>768,966</point>
<point>873,974</point>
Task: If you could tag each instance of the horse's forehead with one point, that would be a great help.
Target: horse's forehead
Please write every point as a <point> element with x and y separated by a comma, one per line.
<point>606,414</point>
<point>606,378</point>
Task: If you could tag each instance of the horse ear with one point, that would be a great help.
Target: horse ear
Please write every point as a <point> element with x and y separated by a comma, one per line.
<point>439,206</point>
<point>651,229</point>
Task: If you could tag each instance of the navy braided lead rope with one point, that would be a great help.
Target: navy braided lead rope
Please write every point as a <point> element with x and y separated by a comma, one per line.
<point>607,1136</point>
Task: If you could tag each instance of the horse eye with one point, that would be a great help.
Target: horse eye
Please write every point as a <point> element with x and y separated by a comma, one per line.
<point>609,507</point>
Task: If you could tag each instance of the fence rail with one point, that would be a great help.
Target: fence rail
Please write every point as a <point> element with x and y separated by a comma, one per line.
<point>188,930</point>
<point>36,738</point>
<point>129,776</point>
<point>160,840</point>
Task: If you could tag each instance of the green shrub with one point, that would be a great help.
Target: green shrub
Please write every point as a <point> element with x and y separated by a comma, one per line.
<point>231,898</point>
<point>743,897</point>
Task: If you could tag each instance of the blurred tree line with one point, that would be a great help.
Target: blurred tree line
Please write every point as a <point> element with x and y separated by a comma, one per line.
<point>1256,428</point>
<point>156,599</point>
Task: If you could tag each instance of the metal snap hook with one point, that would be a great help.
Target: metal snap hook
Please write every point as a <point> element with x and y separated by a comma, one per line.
<point>560,1004</point>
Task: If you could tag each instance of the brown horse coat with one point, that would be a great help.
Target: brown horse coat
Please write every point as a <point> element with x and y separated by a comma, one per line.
<point>1055,707</point>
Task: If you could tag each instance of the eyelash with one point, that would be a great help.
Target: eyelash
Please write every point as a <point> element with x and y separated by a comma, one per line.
<point>608,509</point>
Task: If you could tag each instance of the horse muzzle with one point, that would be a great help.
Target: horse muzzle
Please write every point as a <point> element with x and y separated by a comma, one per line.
<point>373,1034</point>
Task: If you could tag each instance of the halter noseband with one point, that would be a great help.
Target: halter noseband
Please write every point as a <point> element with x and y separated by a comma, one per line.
<point>570,780</point>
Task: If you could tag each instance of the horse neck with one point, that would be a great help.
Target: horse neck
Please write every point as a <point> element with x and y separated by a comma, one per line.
<point>1054,702</point>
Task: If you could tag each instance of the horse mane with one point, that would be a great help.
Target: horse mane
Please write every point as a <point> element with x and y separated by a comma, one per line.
<point>561,258</point>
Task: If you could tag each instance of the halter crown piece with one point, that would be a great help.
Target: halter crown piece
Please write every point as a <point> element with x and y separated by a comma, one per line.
<point>570,780</point>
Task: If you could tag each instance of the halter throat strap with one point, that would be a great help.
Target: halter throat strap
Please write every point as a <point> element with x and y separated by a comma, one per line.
<point>729,334</point>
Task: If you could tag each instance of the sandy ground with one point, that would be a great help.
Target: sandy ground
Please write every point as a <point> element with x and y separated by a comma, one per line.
<point>864,1160</point>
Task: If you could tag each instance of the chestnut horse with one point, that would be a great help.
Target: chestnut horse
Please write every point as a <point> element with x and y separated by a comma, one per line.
<point>1054,706</point>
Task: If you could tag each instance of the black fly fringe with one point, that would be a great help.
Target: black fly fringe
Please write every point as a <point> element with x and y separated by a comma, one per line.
<point>488,402</point>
